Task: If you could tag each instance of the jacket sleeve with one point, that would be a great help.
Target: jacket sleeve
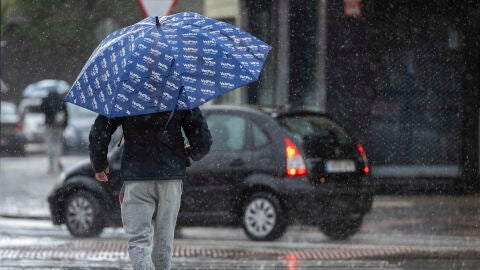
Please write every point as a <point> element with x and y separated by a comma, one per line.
<point>198,134</point>
<point>100,135</point>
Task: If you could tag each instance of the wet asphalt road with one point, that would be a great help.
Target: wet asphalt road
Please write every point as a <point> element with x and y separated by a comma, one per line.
<point>36,244</point>
<point>401,232</point>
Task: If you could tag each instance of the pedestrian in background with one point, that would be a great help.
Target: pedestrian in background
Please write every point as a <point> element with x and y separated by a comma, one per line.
<point>153,165</point>
<point>56,119</point>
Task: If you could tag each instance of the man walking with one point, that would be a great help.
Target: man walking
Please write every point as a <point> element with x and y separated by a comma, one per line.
<point>153,166</point>
<point>56,119</point>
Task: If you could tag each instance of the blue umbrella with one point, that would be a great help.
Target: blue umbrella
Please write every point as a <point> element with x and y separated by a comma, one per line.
<point>162,64</point>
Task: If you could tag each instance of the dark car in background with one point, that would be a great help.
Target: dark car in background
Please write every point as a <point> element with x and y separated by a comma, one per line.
<point>12,138</point>
<point>266,169</point>
<point>75,135</point>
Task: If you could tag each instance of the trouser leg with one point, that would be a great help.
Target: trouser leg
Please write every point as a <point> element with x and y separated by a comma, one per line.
<point>54,147</point>
<point>57,147</point>
<point>169,194</point>
<point>48,143</point>
<point>138,208</point>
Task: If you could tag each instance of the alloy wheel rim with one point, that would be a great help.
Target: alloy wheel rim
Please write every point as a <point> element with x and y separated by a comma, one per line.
<point>80,214</point>
<point>260,217</point>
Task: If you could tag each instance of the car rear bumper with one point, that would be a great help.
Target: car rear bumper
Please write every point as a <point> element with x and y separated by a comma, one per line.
<point>12,140</point>
<point>314,203</point>
<point>35,137</point>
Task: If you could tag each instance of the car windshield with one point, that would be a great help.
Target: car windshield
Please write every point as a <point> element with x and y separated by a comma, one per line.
<point>32,109</point>
<point>42,91</point>
<point>313,125</point>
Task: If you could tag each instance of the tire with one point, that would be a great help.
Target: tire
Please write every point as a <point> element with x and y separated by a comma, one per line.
<point>263,217</point>
<point>84,214</point>
<point>341,229</point>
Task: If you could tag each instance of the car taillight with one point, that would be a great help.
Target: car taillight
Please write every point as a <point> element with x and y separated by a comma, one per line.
<point>295,162</point>
<point>360,148</point>
<point>19,126</point>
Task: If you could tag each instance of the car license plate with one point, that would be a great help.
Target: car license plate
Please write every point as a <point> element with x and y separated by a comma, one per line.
<point>336,166</point>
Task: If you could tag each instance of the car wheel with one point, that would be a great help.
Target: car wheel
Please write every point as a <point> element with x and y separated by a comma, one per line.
<point>263,217</point>
<point>341,229</point>
<point>84,214</point>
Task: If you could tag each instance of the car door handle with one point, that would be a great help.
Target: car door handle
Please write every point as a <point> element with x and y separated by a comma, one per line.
<point>237,163</point>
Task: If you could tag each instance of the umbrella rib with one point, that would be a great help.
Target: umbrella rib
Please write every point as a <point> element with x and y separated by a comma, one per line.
<point>164,83</point>
<point>129,54</point>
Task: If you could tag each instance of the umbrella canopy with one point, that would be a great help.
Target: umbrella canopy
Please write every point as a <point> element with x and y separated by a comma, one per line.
<point>161,64</point>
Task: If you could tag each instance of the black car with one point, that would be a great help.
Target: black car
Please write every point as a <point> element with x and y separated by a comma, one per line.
<point>266,169</point>
<point>12,138</point>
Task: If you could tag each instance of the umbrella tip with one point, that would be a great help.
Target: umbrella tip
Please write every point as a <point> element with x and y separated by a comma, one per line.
<point>157,20</point>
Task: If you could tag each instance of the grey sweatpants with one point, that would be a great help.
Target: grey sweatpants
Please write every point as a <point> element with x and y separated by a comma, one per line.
<point>149,215</point>
<point>54,147</point>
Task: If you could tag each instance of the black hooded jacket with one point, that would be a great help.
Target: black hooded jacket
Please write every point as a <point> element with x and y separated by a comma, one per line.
<point>55,110</point>
<point>149,153</point>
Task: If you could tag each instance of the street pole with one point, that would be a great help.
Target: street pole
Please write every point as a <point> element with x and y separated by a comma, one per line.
<point>320,89</point>
<point>282,57</point>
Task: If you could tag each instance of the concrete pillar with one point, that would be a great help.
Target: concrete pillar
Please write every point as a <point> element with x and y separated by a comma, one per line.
<point>282,54</point>
<point>320,84</point>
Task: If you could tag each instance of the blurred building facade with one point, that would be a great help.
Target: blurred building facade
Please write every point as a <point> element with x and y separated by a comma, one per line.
<point>401,75</point>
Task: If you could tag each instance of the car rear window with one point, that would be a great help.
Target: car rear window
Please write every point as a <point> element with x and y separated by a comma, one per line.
<point>40,91</point>
<point>32,109</point>
<point>228,132</point>
<point>314,126</point>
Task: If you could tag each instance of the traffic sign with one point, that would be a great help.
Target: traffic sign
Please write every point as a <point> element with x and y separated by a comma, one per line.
<point>156,7</point>
<point>352,8</point>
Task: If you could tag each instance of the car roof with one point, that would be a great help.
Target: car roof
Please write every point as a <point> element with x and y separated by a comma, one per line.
<point>230,107</point>
<point>40,88</point>
<point>271,111</point>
